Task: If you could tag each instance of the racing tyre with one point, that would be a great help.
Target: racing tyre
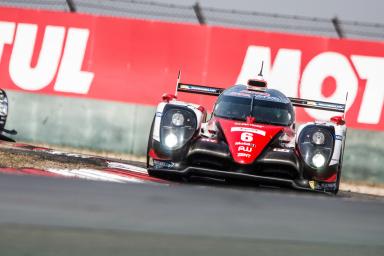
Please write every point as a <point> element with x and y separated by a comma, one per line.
<point>150,140</point>
<point>338,178</point>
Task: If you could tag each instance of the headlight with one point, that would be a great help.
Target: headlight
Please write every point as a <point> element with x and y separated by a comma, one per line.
<point>318,160</point>
<point>318,138</point>
<point>315,145</point>
<point>177,127</point>
<point>177,119</point>
<point>170,140</point>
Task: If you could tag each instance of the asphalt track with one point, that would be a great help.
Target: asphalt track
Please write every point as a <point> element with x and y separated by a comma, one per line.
<point>56,216</point>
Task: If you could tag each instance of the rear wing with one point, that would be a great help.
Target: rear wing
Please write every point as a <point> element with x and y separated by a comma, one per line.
<point>215,91</point>
<point>199,89</point>
<point>322,105</point>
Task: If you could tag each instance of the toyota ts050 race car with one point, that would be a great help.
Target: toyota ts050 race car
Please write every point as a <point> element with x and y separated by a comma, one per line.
<point>3,117</point>
<point>250,135</point>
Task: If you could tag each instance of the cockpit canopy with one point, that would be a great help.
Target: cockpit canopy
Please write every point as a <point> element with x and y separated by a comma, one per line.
<point>269,107</point>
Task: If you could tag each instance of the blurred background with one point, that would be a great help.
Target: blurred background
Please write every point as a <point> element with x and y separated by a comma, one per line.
<point>115,112</point>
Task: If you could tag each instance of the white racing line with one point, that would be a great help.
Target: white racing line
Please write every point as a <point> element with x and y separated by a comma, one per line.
<point>100,175</point>
<point>96,175</point>
<point>128,167</point>
<point>116,165</point>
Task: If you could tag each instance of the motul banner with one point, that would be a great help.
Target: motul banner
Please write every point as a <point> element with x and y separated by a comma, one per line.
<point>136,61</point>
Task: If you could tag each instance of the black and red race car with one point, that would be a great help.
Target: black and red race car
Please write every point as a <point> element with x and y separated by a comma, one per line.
<point>251,134</point>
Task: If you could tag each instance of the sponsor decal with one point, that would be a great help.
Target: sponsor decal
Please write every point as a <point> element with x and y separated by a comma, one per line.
<point>242,143</point>
<point>322,185</point>
<point>239,94</point>
<point>281,150</point>
<point>245,149</point>
<point>163,164</point>
<point>209,140</point>
<point>60,57</point>
<point>312,184</point>
<point>339,137</point>
<point>256,92</point>
<point>243,155</point>
<point>249,125</point>
<point>268,98</point>
<point>199,88</point>
<point>246,129</point>
<point>325,186</point>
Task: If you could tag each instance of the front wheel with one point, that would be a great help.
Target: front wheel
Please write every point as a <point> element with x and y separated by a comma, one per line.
<point>150,140</point>
<point>338,178</point>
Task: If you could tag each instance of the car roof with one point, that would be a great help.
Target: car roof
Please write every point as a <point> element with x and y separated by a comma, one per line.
<point>242,91</point>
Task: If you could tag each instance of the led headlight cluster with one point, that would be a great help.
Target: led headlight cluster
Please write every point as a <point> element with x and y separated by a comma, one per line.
<point>318,160</point>
<point>170,140</point>
<point>177,126</point>
<point>178,119</point>
<point>316,145</point>
<point>318,138</point>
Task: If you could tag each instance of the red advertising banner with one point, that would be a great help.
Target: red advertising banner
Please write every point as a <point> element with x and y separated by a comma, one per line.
<point>136,61</point>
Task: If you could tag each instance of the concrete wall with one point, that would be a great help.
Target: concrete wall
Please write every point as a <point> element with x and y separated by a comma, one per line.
<point>112,126</point>
<point>364,156</point>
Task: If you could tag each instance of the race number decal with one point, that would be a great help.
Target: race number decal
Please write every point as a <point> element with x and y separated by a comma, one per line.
<point>246,136</point>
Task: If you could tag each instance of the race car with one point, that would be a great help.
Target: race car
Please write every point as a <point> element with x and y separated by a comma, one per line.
<point>3,117</point>
<point>250,135</point>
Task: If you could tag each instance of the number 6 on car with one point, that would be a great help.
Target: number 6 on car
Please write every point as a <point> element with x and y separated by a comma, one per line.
<point>246,136</point>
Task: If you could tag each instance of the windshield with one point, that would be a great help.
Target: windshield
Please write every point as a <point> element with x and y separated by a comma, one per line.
<point>267,112</point>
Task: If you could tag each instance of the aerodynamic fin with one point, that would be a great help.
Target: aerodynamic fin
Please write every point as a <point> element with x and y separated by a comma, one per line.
<point>199,89</point>
<point>178,81</point>
<point>322,105</point>
<point>346,99</point>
